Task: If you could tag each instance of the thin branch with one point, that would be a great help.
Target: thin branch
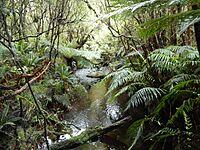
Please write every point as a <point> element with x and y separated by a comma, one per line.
<point>26,85</point>
<point>39,34</point>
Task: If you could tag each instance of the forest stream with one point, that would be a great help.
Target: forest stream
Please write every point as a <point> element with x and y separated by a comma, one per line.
<point>99,74</point>
<point>91,111</point>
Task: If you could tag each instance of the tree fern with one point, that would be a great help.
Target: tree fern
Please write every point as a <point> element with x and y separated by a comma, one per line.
<point>153,26</point>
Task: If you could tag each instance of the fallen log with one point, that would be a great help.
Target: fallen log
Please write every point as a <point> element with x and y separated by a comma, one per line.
<point>91,134</point>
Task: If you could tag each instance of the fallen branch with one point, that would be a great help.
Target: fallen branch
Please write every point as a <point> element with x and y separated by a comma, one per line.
<point>91,134</point>
<point>26,85</point>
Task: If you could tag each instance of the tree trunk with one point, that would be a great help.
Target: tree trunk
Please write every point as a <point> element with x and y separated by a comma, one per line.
<point>197,29</point>
<point>91,134</point>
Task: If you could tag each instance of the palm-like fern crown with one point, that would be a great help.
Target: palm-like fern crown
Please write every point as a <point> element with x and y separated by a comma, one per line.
<point>148,28</point>
<point>172,64</point>
<point>170,79</point>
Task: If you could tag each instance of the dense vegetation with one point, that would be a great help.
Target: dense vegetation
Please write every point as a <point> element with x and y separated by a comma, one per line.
<point>151,46</point>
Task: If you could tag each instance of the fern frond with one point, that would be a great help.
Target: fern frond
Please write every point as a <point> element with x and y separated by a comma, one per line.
<point>193,62</point>
<point>179,78</point>
<point>133,8</point>
<point>145,95</point>
<point>153,26</point>
<point>163,133</point>
<point>130,88</point>
<point>193,84</point>
<point>172,97</point>
<point>165,51</point>
<point>182,91</point>
<point>187,106</point>
<point>188,123</point>
<point>164,60</point>
<point>126,76</point>
<point>173,59</point>
<point>185,52</point>
<point>181,49</point>
<point>119,78</point>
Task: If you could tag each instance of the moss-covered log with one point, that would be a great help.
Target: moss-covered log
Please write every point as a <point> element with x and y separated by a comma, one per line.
<point>91,134</point>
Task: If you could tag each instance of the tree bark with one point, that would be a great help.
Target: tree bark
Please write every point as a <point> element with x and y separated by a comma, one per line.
<point>197,29</point>
<point>91,134</point>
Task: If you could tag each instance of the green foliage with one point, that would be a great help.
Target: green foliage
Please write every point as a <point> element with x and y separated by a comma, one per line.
<point>161,135</point>
<point>5,119</point>
<point>172,86</point>
<point>153,26</point>
<point>165,82</point>
<point>136,130</point>
<point>145,95</point>
<point>187,106</point>
<point>134,127</point>
<point>93,56</point>
<point>172,59</point>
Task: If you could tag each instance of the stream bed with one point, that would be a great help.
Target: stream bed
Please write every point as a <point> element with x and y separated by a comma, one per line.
<point>93,111</point>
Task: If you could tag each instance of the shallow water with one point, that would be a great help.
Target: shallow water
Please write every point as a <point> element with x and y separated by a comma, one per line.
<point>91,111</point>
<point>97,113</point>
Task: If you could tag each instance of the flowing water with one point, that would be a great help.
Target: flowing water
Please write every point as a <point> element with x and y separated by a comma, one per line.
<point>98,112</point>
<point>91,111</point>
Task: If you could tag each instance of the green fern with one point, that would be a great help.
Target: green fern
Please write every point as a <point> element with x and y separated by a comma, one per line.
<point>130,88</point>
<point>163,133</point>
<point>177,79</point>
<point>145,95</point>
<point>153,26</point>
<point>187,106</point>
<point>119,78</point>
<point>188,123</point>
<point>182,91</point>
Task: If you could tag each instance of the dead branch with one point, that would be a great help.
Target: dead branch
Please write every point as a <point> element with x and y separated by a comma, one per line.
<point>26,85</point>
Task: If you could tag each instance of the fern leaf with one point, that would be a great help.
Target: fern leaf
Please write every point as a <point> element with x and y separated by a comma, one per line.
<point>153,26</point>
<point>177,79</point>
<point>145,95</point>
<point>119,78</point>
<point>187,106</point>
<point>133,8</point>
<point>171,97</point>
<point>130,88</point>
<point>163,133</point>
